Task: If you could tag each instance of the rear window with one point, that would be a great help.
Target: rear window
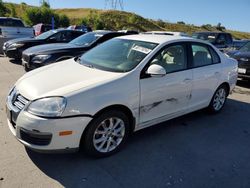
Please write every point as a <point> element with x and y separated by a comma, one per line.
<point>11,23</point>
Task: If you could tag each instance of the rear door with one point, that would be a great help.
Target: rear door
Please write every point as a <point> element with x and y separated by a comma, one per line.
<point>206,74</point>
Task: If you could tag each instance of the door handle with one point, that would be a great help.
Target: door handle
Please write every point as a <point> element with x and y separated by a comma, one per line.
<point>187,80</point>
<point>217,74</point>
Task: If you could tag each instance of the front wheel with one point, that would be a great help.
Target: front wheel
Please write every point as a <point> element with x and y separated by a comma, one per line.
<point>106,134</point>
<point>218,100</point>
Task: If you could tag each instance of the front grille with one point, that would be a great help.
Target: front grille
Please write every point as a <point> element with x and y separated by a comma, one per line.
<point>20,102</point>
<point>36,138</point>
<point>16,104</point>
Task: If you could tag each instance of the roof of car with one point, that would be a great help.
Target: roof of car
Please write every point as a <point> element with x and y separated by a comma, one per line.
<point>212,32</point>
<point>166,32</point>
<point>10,18</point>
<point>156,38</point>
<point>62,29</point>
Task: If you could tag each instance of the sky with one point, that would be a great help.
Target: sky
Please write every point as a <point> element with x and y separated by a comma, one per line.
<point>233,14</point>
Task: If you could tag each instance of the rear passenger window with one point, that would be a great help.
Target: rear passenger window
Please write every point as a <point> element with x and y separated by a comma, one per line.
<point>201,56</point>
<point>215,56</point>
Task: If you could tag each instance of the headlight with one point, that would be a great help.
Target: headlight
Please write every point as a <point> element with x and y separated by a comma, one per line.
<point>15,45</point>
<point>40,58</point>
<point>244,59</point>
<point>48,107</point>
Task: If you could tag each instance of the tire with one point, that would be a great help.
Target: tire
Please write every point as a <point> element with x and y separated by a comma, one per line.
<point>219,99</point>
<point>101,139</point>
<point>26,68</point>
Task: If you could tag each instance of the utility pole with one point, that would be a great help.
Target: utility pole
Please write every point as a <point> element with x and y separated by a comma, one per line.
<point>114,4</point>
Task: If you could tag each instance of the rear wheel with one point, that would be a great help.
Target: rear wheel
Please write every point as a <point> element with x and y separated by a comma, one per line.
<point>219,99</point>
<point>106,134</point>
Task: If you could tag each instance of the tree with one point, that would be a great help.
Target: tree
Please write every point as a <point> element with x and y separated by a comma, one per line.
<point>35,15</point>
<point>3,9</point>
<point>93,20</point>
<point>220,27</point>
<point>45,4</point>
<point>181,22</point>
<point>12,11</point>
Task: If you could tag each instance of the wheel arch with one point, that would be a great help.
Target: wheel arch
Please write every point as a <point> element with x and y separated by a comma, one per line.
<point>119,107</point>
<point>226,84</point>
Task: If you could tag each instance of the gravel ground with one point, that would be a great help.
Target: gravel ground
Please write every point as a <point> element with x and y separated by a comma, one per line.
<point>196,150</point>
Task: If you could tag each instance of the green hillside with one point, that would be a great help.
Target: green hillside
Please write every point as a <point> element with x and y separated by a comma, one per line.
<point>120,19</point>
<point>117,20</point>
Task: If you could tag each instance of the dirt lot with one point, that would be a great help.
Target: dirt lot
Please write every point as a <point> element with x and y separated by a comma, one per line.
<point>197,150</point>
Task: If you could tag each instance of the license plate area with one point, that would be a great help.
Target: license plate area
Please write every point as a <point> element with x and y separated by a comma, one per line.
<point>242,71</point>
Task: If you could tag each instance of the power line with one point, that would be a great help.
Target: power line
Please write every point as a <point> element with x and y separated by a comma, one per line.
<point>114,4</point>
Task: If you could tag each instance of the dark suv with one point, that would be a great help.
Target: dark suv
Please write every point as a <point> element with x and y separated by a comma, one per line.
<point>221,40</point>
<point>243,57</point>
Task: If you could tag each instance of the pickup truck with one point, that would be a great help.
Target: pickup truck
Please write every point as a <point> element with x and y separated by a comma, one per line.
<point>222,40</point>
<point>12,28</point>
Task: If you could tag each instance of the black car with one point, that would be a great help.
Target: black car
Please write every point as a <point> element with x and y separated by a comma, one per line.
<point>243,57</point>
<point>237,44</point>
<point>14,48</point>
<point>221,40</point>
<point>46,54</point>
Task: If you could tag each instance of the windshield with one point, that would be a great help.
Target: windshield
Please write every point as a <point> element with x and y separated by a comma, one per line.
<point>245,48</point>
<point>210,37</point>
<point>117,55</point>
<point>46,34</point>
<point>86,39</point>
<point>11,22</point>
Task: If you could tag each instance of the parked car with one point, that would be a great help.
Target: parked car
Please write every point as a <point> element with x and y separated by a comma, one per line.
<point>120,86</point>
<point>243,58</point>
<point>237,44</point>
<point>11,28</point>
<point>167,33</point>
<point>223,41</point>
<point>46,54</point>
<point>14,48</point>
<point>41,28</point>
<point>83,28</point>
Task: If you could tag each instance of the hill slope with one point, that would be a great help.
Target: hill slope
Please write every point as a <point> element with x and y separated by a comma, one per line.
<point>121,19</point>
<point>117,20</point>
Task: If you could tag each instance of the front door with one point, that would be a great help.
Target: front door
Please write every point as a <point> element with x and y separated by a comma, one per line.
<point>163,97</point>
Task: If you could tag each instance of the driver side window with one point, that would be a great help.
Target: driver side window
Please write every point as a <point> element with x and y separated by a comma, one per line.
<point>172,58</point>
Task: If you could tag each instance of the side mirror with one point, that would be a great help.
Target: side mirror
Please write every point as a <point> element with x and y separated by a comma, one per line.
<point>156,71</point>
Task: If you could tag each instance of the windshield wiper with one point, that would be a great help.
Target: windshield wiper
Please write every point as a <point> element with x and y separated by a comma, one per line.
<point>88,65</point>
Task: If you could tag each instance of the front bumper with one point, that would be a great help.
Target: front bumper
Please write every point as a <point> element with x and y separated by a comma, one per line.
<point>31,66</point>
<point>13,53</point>
<point>43,134</point>
<point>244,76</point>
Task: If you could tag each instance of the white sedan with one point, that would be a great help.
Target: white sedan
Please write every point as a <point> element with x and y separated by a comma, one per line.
<point>121,86</point>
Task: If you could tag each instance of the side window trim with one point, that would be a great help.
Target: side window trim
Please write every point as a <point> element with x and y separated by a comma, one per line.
<point>186,48</point>
<point>213,52</point>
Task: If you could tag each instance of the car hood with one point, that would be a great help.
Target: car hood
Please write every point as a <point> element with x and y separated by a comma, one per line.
<point>22,40</point>
<point>49,48</point>
<point>61,79</point>
<point>240,54</point>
